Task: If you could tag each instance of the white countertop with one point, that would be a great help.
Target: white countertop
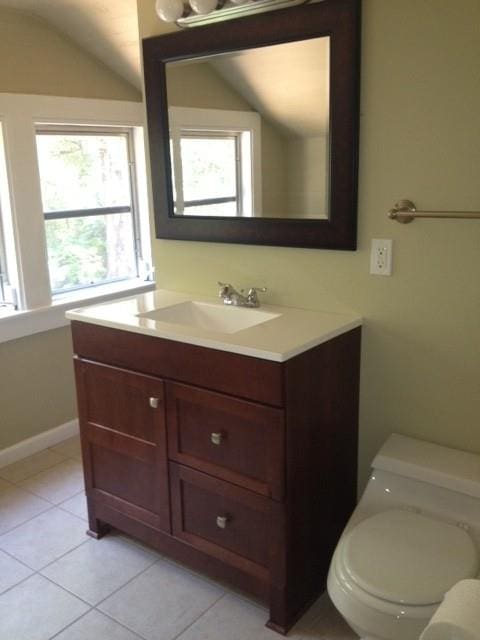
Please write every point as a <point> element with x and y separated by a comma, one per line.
<point>290,333</point>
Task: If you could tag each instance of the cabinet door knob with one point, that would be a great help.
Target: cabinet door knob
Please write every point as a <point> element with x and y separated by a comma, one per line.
<point>153,402</point>
<point>222,521</point>
<point>216,438</point>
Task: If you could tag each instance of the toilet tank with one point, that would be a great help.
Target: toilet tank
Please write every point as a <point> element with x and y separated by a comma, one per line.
<point>425,477</point>
<point>432,463</point>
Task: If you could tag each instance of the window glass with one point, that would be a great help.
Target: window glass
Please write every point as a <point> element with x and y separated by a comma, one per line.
<point>88,208</point>
<point>220,209</point>
<point>209,167</point>
<point>83,171</point>
<point>85,251</point>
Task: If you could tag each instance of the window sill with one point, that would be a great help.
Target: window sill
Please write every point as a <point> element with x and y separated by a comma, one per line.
<point>18,324</point>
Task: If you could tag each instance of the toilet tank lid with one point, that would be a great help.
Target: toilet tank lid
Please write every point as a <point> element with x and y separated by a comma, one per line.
<point>432,463</point>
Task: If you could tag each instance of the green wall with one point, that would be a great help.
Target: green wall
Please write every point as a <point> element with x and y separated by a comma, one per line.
<point>38,59</point>
<point>419,139</point>
<point>37,389</point>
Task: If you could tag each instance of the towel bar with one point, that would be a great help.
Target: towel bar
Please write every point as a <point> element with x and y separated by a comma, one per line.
<point>405,211</point>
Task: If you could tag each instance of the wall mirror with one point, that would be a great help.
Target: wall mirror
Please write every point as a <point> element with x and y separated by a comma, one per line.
<point>253,128</point>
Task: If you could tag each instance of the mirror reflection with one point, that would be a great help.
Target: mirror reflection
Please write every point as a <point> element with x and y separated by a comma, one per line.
<point>249,132</point>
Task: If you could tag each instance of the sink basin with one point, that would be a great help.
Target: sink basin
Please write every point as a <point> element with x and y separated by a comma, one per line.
<point>209,316</point>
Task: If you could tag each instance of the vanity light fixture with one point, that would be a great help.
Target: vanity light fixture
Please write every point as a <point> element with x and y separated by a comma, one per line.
<point>197,12</point>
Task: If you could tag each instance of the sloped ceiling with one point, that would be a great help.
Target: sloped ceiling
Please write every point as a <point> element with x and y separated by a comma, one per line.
<point>108,29</point>
<point>287,83</point>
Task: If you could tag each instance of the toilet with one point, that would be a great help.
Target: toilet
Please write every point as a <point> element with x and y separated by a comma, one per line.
<point>413,535</point>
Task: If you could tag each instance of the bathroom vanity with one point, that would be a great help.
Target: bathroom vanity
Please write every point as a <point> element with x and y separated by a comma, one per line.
<point>231,450</point>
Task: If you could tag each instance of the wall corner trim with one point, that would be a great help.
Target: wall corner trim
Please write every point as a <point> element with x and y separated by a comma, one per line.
<point>37,443</point>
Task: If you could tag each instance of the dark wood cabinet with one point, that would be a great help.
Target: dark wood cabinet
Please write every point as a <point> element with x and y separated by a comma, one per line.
<point>239,467</point>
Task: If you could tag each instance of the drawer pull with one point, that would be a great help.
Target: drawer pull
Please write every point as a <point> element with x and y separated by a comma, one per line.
<point>216,438</point>
<point>153,402</point>
<point>222,522</point>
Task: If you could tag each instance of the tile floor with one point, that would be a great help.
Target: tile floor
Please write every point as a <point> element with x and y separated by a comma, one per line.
<point>55,582</point>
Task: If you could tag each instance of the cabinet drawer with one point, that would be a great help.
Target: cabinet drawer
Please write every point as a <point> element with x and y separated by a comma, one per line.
<point>235,440</point>
<point>223,520</point>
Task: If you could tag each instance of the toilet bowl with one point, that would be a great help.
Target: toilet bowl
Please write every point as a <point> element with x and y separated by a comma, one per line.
<point>414,534</point>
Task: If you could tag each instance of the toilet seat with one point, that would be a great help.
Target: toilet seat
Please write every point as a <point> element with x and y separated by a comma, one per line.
<point>402,563</point>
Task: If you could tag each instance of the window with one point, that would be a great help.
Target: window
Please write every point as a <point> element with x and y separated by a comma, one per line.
<point>75,227</point>
<point>215,157</point>
<point>210,177</point>
<point>88,206</point>
<point>8,291</point>
<point>3,266</point>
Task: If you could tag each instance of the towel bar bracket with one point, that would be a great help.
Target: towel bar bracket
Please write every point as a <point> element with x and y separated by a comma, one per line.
<point>403,211</point>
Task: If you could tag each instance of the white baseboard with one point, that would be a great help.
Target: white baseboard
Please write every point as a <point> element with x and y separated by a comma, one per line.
<point>37,443</point>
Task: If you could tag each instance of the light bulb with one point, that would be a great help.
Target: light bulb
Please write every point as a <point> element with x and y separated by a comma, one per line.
<point>169,10</point>
<point>203,6</point>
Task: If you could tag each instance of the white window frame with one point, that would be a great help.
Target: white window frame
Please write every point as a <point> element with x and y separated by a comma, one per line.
<point>133,206</point>
<point>3,267</point>
<point>20,117</point>
<point>246,125</point>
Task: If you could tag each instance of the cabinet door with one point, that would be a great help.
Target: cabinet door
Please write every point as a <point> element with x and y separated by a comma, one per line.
<point>122,424</point>
<point>236,440</point>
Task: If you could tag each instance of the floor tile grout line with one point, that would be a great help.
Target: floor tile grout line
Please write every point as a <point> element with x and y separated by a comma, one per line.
<point>51,506</point>
<point>35,475</point>
<point>71,593</point>
<point>59,557</point>
<point>10,555</point>
<point>228,590</point>
<point>70,624</point>
<point>73,514</point>
<point>122,624</point>
<point>48,468</point>
<point>88,540</point>
<point>109,615</point>
<point>124,585</point>
<point>179,635</point>
<point>37,495</point>
<point>62,556</point>
<point>38,571</point>
<point>19,582</point>
<point>212,581</point>
<point>4,533</point>
<point>20,488</point>
<point>101,613</point>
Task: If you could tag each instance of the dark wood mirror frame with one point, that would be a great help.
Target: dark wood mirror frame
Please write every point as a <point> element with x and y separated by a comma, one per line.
<point>339,19</point>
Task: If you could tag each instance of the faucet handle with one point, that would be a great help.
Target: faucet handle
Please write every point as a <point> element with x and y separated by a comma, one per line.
<point>252,297</point>
<point>224,289</point>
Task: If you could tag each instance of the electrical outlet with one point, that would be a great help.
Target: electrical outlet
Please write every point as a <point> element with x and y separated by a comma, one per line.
<point>381,257</point>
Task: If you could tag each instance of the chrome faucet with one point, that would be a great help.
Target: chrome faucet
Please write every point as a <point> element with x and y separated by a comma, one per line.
<point>238,299</point>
